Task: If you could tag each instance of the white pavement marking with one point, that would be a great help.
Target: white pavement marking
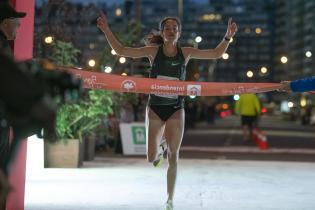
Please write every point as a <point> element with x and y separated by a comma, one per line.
<point>133,184</point>
<point>248,150</point>
<point>302,134</point>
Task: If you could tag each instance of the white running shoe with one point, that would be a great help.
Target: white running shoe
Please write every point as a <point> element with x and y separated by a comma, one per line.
<point>160,157</point>
<point>169,205</point>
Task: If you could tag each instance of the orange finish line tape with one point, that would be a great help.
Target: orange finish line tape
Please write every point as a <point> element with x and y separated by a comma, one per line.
<point>96,80</point>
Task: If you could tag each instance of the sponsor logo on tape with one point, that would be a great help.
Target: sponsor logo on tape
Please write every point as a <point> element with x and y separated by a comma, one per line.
<point>91,82</point>
<point>241,90</point>
<point>194,90</point>
<point>128,85</point>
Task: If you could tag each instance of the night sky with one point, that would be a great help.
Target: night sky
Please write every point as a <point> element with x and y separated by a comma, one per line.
<point>109,2</point>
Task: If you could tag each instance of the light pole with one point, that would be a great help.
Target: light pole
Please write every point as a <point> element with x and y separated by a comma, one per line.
<point>195,42</point>
<point>138,10</point>
<point>180,9</point>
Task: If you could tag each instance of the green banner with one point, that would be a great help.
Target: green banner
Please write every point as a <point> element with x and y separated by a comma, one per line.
<point>138,134</point>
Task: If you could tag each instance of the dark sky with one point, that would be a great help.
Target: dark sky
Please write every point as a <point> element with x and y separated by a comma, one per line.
<point>119,1</point>
<point>39,2</point>
<point>98,1</point>
<point>111,1</point>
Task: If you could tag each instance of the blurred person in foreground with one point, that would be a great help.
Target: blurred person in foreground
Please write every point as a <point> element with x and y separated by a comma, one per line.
<point>9,23</point>
<point>25,108</point>
<point>28,93</point>
<point>248,107</point>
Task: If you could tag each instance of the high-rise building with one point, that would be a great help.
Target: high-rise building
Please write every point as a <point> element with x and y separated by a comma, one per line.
<point>252,48</point>
<point>295,21</point>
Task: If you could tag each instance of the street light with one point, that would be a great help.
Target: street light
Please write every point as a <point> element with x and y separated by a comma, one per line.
<point>113,52</point>
<point>212,16</point>
<point>124,74</point>
<point>108,69</point>
<point>258,30</point>
<point>284,59</point>
<point>91,62</point>
<point>225,56</point>
<point>249,74</point>
<point>198,39</point>
<point>308,54</point>
<point>303,102</point>
<point>263,70</point>
<point>118,12</point>
<point>290,104</point>
<point>122,60</point>
<point>48,39</point>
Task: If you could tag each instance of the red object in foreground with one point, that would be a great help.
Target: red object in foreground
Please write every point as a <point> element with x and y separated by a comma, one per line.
<point>23,50</point>
<point>260,139</point>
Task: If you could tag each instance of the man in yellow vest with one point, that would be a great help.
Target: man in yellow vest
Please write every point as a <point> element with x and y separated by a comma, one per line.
<point>248,107</point>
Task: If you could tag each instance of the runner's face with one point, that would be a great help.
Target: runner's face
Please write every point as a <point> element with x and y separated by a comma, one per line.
<point>170,31</point>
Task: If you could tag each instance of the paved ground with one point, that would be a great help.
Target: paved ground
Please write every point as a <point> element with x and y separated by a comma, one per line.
<point>288,140</point>
<point>227,133</point>
<point>218,181</point>
<point>132,184</point>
